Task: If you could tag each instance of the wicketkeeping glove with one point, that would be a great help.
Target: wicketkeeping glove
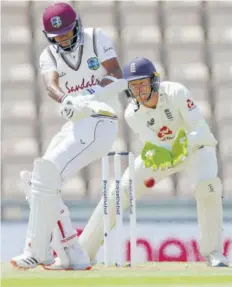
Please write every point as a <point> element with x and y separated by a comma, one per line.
<point>156,157</point>
<point>180,147</point>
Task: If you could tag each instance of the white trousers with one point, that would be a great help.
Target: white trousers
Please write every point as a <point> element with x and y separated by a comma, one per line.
<point>80,144</point>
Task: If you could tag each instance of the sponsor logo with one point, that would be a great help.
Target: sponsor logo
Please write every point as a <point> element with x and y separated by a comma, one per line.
<point>56,22</point>
<point>151,122</point>
<point>108,49</point>
<point>93,63</point>
<point>173,241</point>
<point>170,249</point>
<point>190,104</point>
<point>117,192</point>
<point>211,189</point>
<point>105,196</point>
<point>85,84</point>
<point>62,74</point>
<point>131,197</point>
<point>165,134</point>
<point>168,114</point>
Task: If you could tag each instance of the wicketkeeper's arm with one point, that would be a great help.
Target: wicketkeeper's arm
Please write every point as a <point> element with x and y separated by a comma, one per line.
<point>198,130</point>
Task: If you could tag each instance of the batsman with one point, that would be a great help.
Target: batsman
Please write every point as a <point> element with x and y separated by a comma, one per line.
<point>176,138</point>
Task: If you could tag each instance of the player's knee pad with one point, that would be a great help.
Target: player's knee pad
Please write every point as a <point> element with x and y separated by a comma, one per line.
<point>46,177</point>
<point>209,187</point>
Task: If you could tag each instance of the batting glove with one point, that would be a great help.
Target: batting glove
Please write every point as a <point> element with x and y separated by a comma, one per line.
<point>67,107</point>
<point>75,108</point>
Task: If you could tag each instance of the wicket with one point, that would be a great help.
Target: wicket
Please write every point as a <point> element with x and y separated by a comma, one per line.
<point>119,213</point>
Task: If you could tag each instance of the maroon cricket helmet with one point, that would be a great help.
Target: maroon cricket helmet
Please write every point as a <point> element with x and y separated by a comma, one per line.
<point>58,19</point>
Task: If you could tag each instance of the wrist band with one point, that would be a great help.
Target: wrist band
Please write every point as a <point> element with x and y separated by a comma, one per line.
<point>61,98</point>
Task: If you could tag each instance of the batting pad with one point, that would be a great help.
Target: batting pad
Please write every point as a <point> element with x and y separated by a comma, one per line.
<point>64,234</point>
<point>208,195</point>
<point>45,200</point>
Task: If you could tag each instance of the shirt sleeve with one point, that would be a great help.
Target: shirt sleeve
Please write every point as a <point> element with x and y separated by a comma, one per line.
<point>47,61</point>
<point>104,46</point>
<point>198,129</point>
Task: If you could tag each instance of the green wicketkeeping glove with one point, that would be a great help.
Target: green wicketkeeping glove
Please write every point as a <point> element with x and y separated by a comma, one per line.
<point>180,147</point>
<point>156,157</point>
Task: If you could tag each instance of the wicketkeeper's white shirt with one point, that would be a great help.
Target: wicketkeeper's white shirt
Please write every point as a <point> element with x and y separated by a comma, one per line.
<point>175,109</point>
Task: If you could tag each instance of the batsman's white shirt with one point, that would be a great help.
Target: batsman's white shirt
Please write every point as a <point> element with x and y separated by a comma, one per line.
<point>81,69</point>
<point>175,109</point>
<point>79,144</point>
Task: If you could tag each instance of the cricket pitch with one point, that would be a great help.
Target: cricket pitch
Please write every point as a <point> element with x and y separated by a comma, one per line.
<point>173,274</point>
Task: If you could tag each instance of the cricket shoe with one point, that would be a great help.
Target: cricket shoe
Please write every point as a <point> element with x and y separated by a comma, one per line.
<point>25,261</point>
<point>76,259</point>
<point>217,259</point>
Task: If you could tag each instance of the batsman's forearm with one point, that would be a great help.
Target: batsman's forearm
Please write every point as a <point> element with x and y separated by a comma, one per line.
<point>51,80</point>
<point>55,92</point>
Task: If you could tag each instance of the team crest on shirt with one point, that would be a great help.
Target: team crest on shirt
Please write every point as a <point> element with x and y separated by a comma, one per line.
<point>93,63</point>
<point>56,22</point>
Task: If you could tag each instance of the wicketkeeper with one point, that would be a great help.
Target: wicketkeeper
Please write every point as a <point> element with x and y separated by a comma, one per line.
<point>176,137</point>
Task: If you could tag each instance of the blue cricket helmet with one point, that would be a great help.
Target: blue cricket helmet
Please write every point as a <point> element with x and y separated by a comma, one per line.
<point>141,68</point>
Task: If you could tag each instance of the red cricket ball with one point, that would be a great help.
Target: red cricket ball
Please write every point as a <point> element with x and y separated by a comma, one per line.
<point>149,182</point>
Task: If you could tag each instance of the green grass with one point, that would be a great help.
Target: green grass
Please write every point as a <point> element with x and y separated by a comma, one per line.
<point>151,274</point>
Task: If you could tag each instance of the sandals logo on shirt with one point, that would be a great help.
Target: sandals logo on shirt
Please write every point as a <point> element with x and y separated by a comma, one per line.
<point>85,84</point>
<point>93,63</point>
